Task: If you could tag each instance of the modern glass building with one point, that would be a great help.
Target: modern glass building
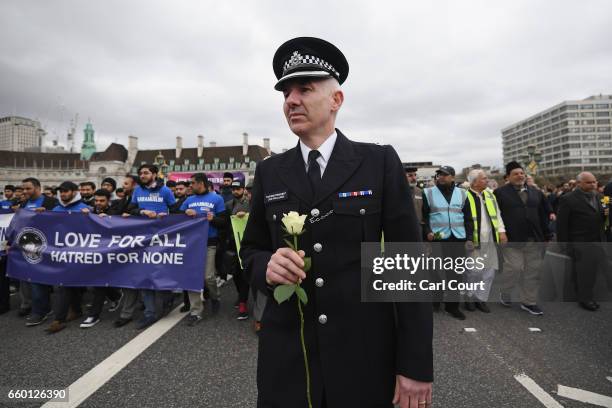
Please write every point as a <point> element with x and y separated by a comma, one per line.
<point>567,138</point>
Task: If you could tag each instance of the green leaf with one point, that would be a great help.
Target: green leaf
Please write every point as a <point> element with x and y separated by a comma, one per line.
<point>283,292</point>
<point>307,264</point>
<point>289,244</point>
<point>301,293</point>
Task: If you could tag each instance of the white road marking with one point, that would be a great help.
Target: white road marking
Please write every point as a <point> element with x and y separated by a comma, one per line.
<point>95,378</point>
<point>535,329</point>
<point>470,329</point>
<point>558,255</point>
<point>537,391</point>
<point>587,397</point>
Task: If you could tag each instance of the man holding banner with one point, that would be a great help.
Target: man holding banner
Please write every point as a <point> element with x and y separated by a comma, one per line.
<point>68,302</point>
<point>5,218</point>
<point>35,296</point>
<point>150,199</point>
<point>102,207</point>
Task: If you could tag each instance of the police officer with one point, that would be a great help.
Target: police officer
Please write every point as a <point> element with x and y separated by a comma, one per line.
<point>360,354</point>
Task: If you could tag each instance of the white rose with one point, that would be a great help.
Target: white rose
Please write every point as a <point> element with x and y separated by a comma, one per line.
<point>294,222</point>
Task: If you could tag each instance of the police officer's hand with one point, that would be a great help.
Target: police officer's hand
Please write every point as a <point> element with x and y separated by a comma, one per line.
<point>85,210</point>
<point>285,267</point>
<point>430,236</point>
<point>410,393</point>
<point>125,215</point>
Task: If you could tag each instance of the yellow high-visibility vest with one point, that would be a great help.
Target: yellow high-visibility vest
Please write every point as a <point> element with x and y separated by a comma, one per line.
<point>490,204</point>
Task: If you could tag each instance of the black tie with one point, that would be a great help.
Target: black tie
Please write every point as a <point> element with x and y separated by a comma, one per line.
<point>314,171</point>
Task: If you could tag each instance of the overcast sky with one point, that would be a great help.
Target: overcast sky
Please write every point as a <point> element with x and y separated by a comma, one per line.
<point>436,79</point>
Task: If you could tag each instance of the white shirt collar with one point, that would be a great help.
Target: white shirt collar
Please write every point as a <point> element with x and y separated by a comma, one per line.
<point>325,149</point>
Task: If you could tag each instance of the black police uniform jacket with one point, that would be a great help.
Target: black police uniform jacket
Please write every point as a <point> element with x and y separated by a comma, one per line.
<point>355,353</point>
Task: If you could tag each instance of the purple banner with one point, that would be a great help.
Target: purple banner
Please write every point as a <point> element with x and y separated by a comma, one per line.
<point>76,249</point>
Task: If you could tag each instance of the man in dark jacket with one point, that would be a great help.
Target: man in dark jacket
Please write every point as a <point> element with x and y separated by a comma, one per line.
<point>360,354</point>
<point>238,206</point>
<point>68,299</point>
<point>580,229</point>
<point>608,193</point>
<point>526,215</point>
<point>121,205</point>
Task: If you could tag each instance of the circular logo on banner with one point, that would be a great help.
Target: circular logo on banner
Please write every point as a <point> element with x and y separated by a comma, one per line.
<point>32,243</point>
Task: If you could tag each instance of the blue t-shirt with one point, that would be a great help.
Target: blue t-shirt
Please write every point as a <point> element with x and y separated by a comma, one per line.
<point>32,204</point>
<point>78,206</point>
<point>203,204</point>
<point>6,204</point>
<point>158,199</point>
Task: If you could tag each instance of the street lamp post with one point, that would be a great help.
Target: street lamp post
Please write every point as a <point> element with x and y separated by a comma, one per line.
<point>531,159</point>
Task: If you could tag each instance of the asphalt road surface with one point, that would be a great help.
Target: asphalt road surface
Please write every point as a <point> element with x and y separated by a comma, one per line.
<point>497,362</point>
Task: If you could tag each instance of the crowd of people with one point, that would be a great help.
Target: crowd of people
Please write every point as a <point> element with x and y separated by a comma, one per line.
<point>479,213</point>
<point>144,195</point>
<point>509,226</point>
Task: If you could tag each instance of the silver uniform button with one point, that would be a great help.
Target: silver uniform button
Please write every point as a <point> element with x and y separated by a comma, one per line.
<point>274,217</point>
<point>322,319</point>
<point>319,282</point>
<point>362,211</point>
<point>317,247</point>
<point>314,212</point>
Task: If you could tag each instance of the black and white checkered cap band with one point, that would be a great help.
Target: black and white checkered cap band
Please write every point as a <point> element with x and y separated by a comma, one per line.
<point>308,60</point>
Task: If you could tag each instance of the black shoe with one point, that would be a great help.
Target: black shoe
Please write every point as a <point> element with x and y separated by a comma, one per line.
<point>24,312</point>
<point>122,321</point>
<point>456,313</point>
<point>482,306</point>
<point>532,309</point>
<point>590,306</point>
<point>185,308</point>
<point>145,322</point>
<point>216,305</point>
<point>470,307</point>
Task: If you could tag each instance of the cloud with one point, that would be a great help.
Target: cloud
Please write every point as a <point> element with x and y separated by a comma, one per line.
<point>437,80</point>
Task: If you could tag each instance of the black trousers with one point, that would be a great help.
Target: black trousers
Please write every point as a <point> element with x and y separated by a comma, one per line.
<point>67,297</point>
<point>100,294</point>
<point>449,248</point>
<point>587,261</point>
<point>5,295</point>
<point>232,263</point>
